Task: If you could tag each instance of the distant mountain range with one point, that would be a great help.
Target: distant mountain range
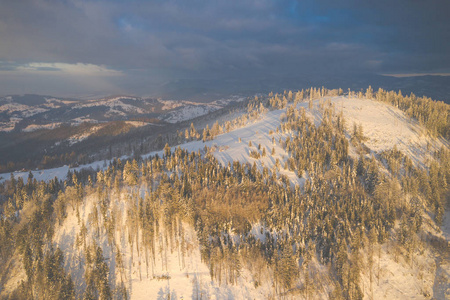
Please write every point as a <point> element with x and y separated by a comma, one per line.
<point>435,87</point>
<point>44,131</point>
<point>32,112</point>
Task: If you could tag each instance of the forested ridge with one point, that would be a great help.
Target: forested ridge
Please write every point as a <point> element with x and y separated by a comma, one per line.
<point>300,241</point>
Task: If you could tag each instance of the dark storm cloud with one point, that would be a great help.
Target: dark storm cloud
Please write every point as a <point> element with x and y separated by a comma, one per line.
<point>152,42</point>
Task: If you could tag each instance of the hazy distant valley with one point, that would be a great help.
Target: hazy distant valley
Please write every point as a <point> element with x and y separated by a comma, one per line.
<point>55,127</point>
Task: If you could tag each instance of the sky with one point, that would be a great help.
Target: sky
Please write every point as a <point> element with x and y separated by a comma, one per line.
<point>90,47</point>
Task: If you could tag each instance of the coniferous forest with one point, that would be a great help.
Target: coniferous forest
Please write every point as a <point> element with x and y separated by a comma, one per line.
<point>323,238</point>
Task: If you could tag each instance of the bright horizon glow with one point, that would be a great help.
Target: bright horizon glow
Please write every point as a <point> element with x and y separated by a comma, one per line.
<point>65,68</point>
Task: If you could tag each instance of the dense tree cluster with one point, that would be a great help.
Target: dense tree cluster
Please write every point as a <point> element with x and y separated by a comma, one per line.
<point>245,217</point>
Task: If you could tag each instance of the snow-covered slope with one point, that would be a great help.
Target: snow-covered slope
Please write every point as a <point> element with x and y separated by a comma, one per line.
<point>177,269</point>
<point>187,277</point>
<point>33,112</point>
<point>116,105</point>
<point>383,125</point>
<point>187,112</point>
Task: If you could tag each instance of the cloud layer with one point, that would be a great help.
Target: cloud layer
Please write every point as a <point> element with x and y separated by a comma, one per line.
<point>138,46</point>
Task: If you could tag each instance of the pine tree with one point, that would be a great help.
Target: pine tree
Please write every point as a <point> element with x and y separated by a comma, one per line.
<point>193,132</point>
<point>167,152</point>
<point>287,268</point>
<point>370,254</point>
<point>206,134</point>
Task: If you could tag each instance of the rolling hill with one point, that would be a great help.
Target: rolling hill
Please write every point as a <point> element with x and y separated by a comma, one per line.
<point>301,195</point>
